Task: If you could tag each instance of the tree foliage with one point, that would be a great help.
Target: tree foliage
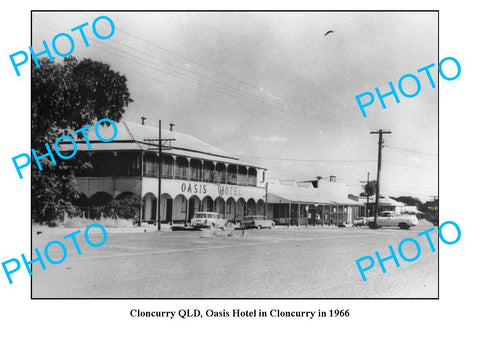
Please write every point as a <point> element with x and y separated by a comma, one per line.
<point>370,188</point>
<point>65,97</point>
<point>127,207</point>
<point>430,209</point>
<point>408,200</point>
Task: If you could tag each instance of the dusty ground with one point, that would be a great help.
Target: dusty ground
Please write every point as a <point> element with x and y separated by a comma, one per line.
<point>279,263</point>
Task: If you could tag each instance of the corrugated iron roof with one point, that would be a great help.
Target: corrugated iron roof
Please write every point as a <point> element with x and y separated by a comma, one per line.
<point>294,192</point>
<point>132,136</point>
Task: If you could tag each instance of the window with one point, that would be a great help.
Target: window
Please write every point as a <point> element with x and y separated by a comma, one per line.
<point>229,207</point>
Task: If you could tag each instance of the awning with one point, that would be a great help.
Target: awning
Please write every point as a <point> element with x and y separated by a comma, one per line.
<point>307,199</point>
<point>347,201</point>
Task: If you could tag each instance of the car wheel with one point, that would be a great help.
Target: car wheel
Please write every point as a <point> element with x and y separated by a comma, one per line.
<point>258,227</point>
<point>403,225</point>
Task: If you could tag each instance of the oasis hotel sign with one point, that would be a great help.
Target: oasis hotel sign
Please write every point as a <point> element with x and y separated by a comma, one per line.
<point>210,189</point>
<point>174,187</point>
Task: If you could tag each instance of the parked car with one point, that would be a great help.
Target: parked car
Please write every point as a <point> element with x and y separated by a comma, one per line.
<point>207,219</point>
<point>256,221</point>
<point>360,221</point>
<point>391,219</point>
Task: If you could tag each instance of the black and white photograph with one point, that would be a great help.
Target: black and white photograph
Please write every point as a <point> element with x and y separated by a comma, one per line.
<point>290,170</point>
<point>235,154</point>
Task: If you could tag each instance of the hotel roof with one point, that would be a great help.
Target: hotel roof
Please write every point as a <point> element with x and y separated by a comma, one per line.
<point>134,136</point>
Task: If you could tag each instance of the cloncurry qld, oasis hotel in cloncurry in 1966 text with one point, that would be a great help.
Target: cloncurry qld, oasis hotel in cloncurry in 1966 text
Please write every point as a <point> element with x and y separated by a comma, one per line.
<point>197,176</point>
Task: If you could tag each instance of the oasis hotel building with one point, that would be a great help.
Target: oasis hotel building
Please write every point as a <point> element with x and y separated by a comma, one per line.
<point>197,176</point>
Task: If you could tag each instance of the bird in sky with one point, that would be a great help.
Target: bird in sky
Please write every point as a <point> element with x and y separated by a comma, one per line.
<point>331,31</point>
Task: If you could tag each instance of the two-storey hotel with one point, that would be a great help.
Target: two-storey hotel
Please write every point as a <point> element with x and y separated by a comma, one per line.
<point>196,176</point>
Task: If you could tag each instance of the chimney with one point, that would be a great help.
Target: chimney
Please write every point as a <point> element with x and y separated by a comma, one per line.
<point>171,126</point>
<point>333,178</point>
<point>143,120</point>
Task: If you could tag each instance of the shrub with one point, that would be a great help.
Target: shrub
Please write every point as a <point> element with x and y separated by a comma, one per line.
<point>107,222</point>
<point>127,207</point>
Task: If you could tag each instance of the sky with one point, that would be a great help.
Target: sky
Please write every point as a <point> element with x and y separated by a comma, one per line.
<point>272,89</point>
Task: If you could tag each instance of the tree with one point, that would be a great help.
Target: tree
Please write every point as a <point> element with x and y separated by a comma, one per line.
<point>65,97</point>
<point>408,200</point>
<point>430,209</point>
<point>127,207</point>
<point>370,188</point>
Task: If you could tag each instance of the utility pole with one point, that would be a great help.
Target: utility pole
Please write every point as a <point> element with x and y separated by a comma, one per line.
<point>368,197</point>
<point>380,134</point>
<point>163,144</point>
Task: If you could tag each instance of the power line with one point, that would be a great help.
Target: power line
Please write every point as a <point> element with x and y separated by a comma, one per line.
<point>412,151</point>
<point>185,89</point>
<point>257,98</point>
<point>135,57</point>
<point>309,160</point>
<point>409,165</point>
<point>256,87</point>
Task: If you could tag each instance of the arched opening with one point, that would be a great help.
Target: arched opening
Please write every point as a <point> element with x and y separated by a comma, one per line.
<point>207,204</point>
<point>230,209</point>
<point>251,207</point>
<point>126,205</point>
<point>166,208</point>
<point>98,204</point>
<point>179,208</point>
<point>241,209</point>
<point>125,195</point>
<point>83,203</point>
<point>260,208</point>
<point>149,211</point>
<point>194,205</point>
<point>100,199</point>
<point>220,173</point>
<point>220,206</point>
<point>232,174</point>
